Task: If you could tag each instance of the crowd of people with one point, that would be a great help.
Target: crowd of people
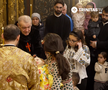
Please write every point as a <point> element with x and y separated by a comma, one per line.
<point>67,53</point>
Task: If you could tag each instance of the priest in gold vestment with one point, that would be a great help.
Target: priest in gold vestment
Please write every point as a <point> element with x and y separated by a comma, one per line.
<point>18,71</point>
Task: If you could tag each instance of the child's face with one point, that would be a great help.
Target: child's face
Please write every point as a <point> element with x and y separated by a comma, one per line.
<point>72,41</point>
<point>39,61</point>
<point>101,59</point>
<point>88,12</point>
<point>35,21</point>
<point>95,19</point>
<point>79,7</point>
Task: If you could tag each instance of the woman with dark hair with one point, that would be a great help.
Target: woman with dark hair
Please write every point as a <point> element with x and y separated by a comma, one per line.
<point>58,66</point>
<point>78,55</point>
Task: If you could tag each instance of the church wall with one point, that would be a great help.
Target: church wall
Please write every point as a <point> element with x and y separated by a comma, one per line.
<point>10,10</point>
<point>45,7</point>
<point>101,3</point>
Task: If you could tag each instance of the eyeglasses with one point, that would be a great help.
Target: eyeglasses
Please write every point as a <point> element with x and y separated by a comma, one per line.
<point>72,40</point>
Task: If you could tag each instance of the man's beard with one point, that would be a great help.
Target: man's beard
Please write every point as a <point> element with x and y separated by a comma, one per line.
<point>104,20</point>
<point>58,12</point>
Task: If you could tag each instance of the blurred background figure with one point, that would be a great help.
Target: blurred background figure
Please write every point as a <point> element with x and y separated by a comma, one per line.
<point>78,18</point>
<point>87,14</point>
<point>65,13</point>
<point>37,23</point>
<point>58,23</point>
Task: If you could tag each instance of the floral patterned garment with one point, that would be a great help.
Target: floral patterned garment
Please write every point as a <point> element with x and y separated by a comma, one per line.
<point>57,80</point>
<point>46,80</point>
<point>79,60</point>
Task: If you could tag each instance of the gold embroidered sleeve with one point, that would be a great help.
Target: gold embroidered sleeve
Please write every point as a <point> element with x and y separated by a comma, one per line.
<point>34,83</point>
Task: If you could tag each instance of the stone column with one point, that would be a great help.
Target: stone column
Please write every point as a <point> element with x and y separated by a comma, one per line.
<point>1,19</point>
<point>11,11</point>
<point>21,7</point>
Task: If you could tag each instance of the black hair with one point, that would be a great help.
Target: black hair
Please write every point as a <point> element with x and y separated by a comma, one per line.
<point>75,78</point>
<point>78,34</point>
<point>105,9</point>
<point>52,44</point>
<point>11,32</point>
<point>59,1</point>
<point>104,54</point>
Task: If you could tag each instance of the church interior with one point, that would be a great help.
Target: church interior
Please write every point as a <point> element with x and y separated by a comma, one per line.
<point>10,10</point>
<point>53,44</point>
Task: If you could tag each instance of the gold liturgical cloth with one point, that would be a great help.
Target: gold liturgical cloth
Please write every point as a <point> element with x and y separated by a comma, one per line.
<point>18,70</point>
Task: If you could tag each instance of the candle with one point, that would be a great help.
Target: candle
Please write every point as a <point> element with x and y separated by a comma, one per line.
<point>30,9</point>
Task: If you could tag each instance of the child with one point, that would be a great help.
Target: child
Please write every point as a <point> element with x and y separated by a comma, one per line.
<point>75,80</point>
<point>46,80</point>
<point>101,75</point>
<point>78,55</point>
<point>93,28</point>
<point>37,23</point>
<point>58,65</point>
<point>78,18</point>
<point>87,14</point>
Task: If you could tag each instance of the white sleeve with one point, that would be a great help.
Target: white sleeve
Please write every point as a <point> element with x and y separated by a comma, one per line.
<point>82,56</point>
<point>98,67</point>
<point>65,52</point>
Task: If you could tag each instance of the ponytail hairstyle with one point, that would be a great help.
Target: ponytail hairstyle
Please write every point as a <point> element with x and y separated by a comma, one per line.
<point>54,44</point>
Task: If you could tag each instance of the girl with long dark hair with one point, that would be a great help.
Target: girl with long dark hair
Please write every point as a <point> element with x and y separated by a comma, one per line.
<point>58,65</point>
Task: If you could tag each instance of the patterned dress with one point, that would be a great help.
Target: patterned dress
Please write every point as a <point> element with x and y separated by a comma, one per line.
<point>79,60</point>
<point>46,80</point>
<point>57,80</point>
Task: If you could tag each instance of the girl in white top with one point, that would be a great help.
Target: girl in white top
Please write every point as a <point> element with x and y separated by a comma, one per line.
<point>78,56</point>
<point>101,75</point>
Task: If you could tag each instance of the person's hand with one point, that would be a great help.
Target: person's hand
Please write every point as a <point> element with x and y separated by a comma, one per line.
<point>93,44</point>
<point>34,55</point>
<point>39,61</point>
<point>82,31</point>
<point>94,36</point>
<point>79,44</point>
